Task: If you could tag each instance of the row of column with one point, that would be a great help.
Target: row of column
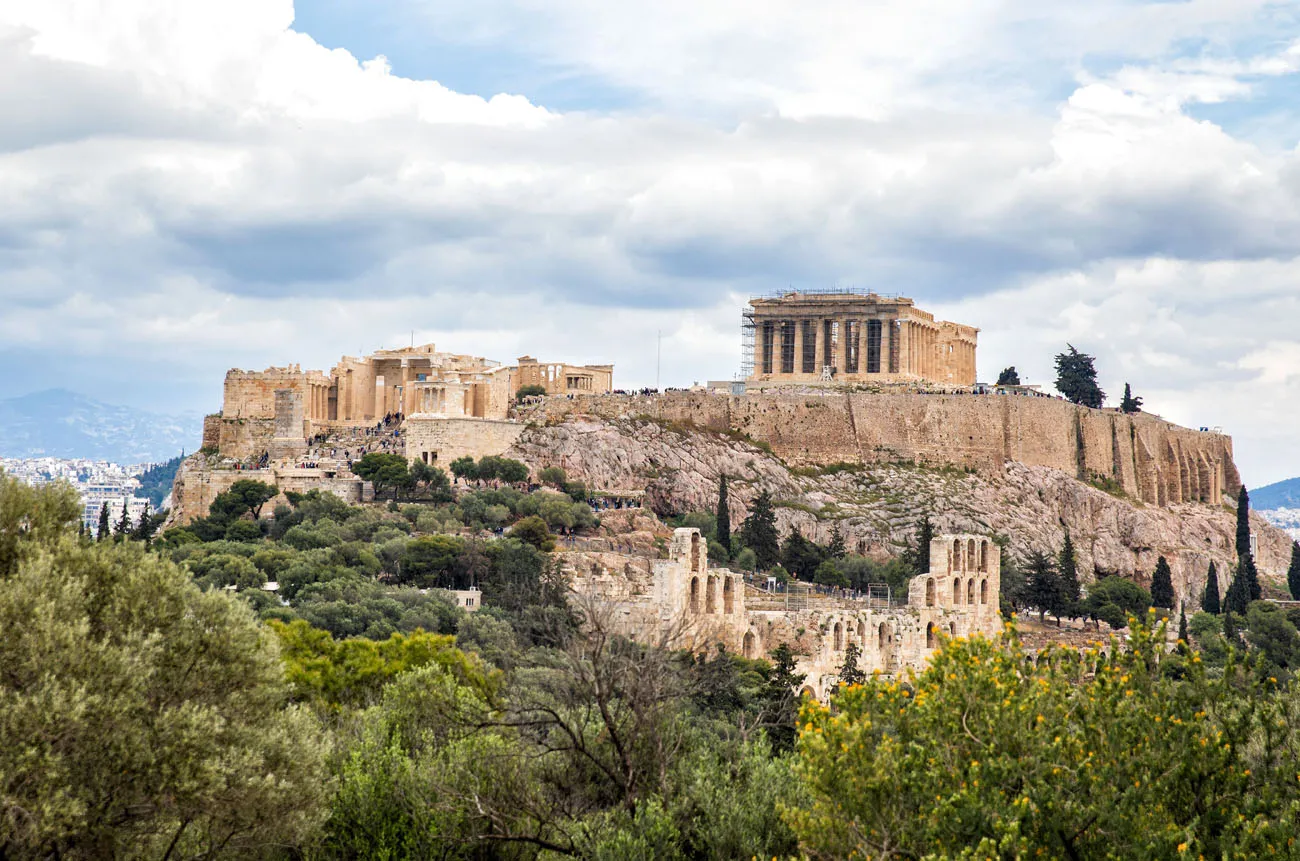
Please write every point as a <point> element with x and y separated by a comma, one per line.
<point>317,402</point>
<point>916,352</point>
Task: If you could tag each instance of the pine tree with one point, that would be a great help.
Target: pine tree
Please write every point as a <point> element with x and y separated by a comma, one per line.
<point>851,673</point>
<point>1076,379</point>
<point>1293,573</point>
<point>1130,404</point>
<point>724,517</point>
<point>780,702</point>
<point>1245,559</point>
<point>836,549</point>
<point>123,528</point>
<point>759,534</point>
<point>144,528</point>
<point>1210,600</point>
<point>1162,586</point>
<point>104,529</point>
<point>1009,377</point>
<point>1067,570</point>
<point>1043,585</point>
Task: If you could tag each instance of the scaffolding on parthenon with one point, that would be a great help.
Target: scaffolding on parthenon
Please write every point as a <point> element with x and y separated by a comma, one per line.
<point>747,342</point>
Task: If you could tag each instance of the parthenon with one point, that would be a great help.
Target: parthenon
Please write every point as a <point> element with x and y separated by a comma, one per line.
<point>820,338</point>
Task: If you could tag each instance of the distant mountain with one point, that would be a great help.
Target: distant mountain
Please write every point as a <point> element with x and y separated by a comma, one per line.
<point>60,423</point>
<point>1283,494</point>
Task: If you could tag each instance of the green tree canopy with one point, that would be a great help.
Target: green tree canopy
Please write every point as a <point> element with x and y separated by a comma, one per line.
<point>385,470</point>
<point>1009,377</point>
<point>1293,572</point>
<point>138,712</point>
<point>1082,754</point>
<point>531,390</point>
<point>1076,378</point>
<point>1114,600</point>
<point>723,518</point>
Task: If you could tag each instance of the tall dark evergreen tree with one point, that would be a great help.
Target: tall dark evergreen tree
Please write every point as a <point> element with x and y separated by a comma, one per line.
<point>1162,586</point>
<point>1183,640</point>
<point>1076,379</point>
<point>1210,600</point>
<point>1043,585</point>
<point>724,516</point>
<point>759,534</point>
<point>1009,377</point>
<point>916,556</point>
<point>1246,570</point>
<point>1238,596</point>
<point>123,529</point>
<point>1067,571</point>
<point>144,529</point>
<point>1229,627</point>
<point>850,672</point>
<point>780,700</point>
<point>836,549</point>
<point>104,529</point>
<point>1130,404</point>
<point>1293,573</point>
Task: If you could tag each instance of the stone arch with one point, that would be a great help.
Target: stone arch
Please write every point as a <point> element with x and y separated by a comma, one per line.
<point>749,646</point>
<point>728,595</point>
<point>807,691</point>
<point>956,554</point>
<point>711,594</point>
<point>862,632</point>
<point>695,594</point>
<point>695,551</point>
<point>971,561</point>
<point>952,629</point>
<point>882,636</point>
<point>929,635</point>
<point>929,591</point>
<point>984,591</point>
<point>984,555</point>
<point>956,590</point>
<point>839,637</point>
<point>970,591</point>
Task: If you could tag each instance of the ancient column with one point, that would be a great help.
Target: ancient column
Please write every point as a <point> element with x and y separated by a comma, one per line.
<point>841,347</point>
<point>798,347</point>
<point>813,327</point>
<point>758,346</point>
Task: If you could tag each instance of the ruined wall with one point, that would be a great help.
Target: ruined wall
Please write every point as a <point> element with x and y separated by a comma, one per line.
<point>197,484</point>
<point>439,441</point>
<point>1151,459</point>
<point>682,602</point>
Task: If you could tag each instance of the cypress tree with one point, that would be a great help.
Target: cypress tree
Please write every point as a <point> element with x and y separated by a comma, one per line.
<point>104,529</point>
<point>724,516</point>
<point>1229,628</point>
<point>836,549</point>
<point>1067,569</point>
<point>1182,630</point>
<point>1246,559</point>
<point>1130,404</point>
<point>925,534</point>
<point>1162,586</point>
<point>1238,597</point>
<point>1210,600</point>
<point>1293,573</point>
<point>759,534</point>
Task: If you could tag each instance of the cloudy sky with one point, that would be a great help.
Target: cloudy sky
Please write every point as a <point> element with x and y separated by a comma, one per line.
<point>191,186</point>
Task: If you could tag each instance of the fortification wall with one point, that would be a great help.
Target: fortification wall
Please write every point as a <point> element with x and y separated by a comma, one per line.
<point>197,484</point>
<point>439,441</point>
<point>1151,459</point>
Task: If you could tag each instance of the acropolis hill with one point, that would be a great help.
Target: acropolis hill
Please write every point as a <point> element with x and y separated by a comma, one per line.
<point>866,445</point>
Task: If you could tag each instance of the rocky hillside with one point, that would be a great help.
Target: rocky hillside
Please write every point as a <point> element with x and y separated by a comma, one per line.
<point>876,506</point>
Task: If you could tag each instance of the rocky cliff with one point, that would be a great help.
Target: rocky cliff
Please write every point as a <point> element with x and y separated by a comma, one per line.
<point>877,503</point>
<point>1147,458</point>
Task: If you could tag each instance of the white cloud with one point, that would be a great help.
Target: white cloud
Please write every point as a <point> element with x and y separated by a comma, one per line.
<point>189,186</point>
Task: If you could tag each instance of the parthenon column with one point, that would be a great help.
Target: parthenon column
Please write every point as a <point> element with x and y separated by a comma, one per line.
<point>758,346</point>
<point>841,354</point>
<point>798,347</point>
